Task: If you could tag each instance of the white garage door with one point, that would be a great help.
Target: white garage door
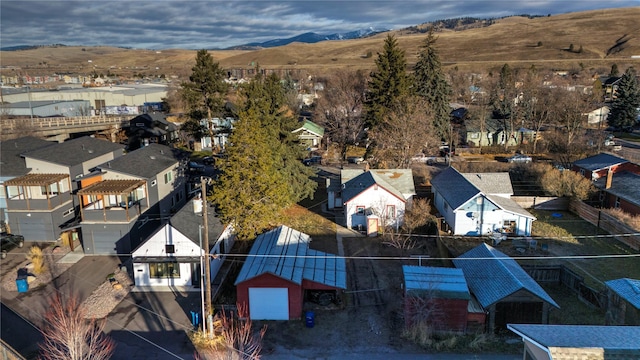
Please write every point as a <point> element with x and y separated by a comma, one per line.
<point>269,303</point>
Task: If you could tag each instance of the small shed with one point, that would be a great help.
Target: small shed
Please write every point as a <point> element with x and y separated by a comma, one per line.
<point>506,292</point>
<point>623,305</point>
<point>278,270</point>
<point>437,296</point>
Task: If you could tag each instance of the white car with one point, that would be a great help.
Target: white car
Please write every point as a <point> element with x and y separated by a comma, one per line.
<point>519,158</point>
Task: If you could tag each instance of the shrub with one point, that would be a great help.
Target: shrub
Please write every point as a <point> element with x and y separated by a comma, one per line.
<point>632,221</point>
<point>37,259</point>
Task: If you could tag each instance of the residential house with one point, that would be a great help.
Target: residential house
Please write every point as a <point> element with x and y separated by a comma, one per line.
<point>479,203</point>
<point>617,180</point>
<point>440,298</point>
<point>40,203</point>
<point>491,132</point>
<point>13,165</point>
<point>281,270</point>
<point>310,135</point>
<point>172,256</point>
<point>506,292</point>
<point>152,128</point>
<point>221,129</point>
<point>598,117</point>
<point>623,305</point>
<point>610,86</point>
<point>372,199</point>
<point>570,342</point>
<point>127,198</point>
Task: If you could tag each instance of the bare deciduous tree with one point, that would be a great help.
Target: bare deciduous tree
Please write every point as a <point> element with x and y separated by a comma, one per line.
<point>242,341</point>
<point>406,131</point>
<point>68,336</point>
<point>339,108</point>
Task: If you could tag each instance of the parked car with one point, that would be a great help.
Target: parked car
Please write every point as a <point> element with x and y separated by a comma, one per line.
<point>355,159</point>
<point>10,242</point>
<point>519,158</point>
<point>422,158</point>
<point>209,160</point>
<point>195,167</point>
<point>312,160</point>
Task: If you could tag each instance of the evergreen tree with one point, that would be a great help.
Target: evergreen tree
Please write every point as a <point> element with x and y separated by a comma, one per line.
<point>205,91</point>
<point>614,71</point>
<point>388,83</point>
<point>263,173</point>
<point>431,84</point>
<point>624,109</point>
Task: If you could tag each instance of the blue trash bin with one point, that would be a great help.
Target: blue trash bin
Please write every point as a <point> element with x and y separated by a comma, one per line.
<point>22,285</point>
<point>310,319</point>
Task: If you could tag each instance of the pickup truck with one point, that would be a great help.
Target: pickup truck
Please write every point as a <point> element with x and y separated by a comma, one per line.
<point>9,242</point>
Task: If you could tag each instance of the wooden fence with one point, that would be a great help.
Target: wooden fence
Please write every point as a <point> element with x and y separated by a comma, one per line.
<point>542,202</point>
<point>603,220</point>
<point>560,274</point>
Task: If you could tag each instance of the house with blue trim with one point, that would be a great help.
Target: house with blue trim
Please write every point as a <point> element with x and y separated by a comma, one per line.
<point>476,204</point>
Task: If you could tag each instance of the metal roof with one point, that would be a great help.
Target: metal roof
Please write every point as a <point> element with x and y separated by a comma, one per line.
<point>439,282</point>
<point>285,253</point>
<point>582,336</point>
<point>599,162</point>
<point>628,289</point>
<point>492,276</point>
<point>311,127</point>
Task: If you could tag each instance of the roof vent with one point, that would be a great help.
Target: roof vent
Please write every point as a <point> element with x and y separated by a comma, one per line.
<point>161,151</point>
<point>109,164</point>
<point>90,151</point>
<point>152,157</point>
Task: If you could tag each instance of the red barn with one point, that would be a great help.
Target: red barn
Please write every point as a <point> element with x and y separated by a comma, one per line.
<point>279,269</point>
<point>438,296</point>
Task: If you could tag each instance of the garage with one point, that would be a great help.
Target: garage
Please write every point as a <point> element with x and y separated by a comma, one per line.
<point>269,303</point>
<point>34,229</point>
<point>104,242</point>
<point>279,269</point>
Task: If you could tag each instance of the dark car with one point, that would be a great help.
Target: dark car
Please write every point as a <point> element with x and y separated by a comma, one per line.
<point>10,242</point>
<point>312,160</point>
<point>195,167</point>
<point>209,160</point>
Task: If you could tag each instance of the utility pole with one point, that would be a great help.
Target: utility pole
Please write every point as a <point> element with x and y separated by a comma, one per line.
<point>207,263</point>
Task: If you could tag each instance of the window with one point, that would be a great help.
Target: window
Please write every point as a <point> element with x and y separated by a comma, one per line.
<point>617,204</point>
<point>391,211</point>
<point>359,210</point>
<point>139,124</point>
<point>170,249</point>
<point>52,189</point>
<point>168,177</point>
<point>164,270</point>
<point>474,135</point>
<point>68,212</point>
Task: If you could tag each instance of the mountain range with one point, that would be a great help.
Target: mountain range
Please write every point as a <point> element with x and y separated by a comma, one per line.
<point>309,38</point>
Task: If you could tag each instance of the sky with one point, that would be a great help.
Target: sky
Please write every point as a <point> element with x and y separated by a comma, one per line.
<point>165,24</point>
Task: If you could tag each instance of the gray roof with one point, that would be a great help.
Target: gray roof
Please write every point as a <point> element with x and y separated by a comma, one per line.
<point>11,163</point>
<point>285,253</point>
<point>75,152</point>
<point>599,162</point>
<point>454,187</point>
<point>628,289</point>
<point>493,276</point>
<point>438,282</point>
<point>146,162</point>
<point>509,205</point>
<point>457,189</point>
<point>491,183</point>
<point>187,222</point>
<point>39,103</point>
<point>583,336</point>
<point>398,182</point>
<point>624,184</point>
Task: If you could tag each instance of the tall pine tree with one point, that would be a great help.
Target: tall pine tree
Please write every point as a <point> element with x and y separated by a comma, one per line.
<point>388,83</point>
<point>431,84</point>
<point>624,109</point>
<point>204,92</point>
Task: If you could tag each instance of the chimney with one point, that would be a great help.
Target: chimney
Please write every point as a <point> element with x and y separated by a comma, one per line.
<point>366,166</point>
<point>609,179</point>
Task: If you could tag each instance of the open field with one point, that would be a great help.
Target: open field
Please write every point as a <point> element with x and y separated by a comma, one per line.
<point>605,36</point>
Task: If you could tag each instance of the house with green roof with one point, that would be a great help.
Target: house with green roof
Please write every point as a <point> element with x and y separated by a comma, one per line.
<point>310,134</point>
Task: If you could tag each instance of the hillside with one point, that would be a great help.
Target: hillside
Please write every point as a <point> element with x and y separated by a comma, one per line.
<point>605,36</point>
